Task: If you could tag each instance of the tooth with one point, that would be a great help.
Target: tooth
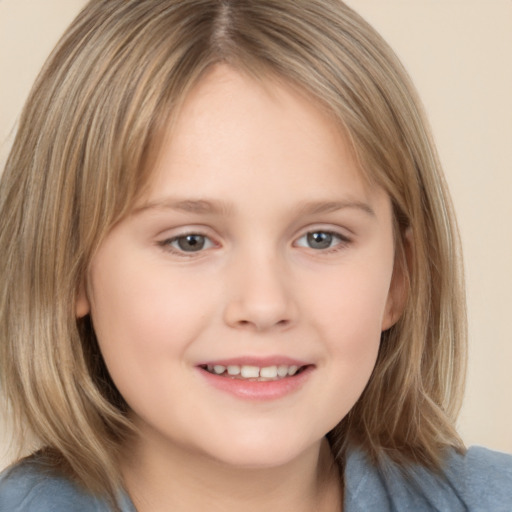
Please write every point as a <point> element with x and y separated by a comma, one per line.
<point>269,372</point>
<point>209,367</point>
<point>219,369</point>
<point>233,370</point>
<point>250,372</point>
<point>292,370</point>
<point>282,370</point>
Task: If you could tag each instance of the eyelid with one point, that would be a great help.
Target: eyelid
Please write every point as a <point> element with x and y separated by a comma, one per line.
<point>166,242</point>
<point>343,239</point>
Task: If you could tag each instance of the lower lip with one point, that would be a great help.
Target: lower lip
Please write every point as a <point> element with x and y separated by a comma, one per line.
<point>258,390</point>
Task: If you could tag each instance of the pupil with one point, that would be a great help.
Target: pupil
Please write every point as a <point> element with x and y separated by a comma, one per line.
<point>319,240</point>
<point>191,243</point>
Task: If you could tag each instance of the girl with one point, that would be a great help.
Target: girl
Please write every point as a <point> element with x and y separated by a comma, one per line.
<point>231,271</point>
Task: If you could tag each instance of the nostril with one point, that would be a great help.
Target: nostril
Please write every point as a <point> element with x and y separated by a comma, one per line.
<point>260,326</point>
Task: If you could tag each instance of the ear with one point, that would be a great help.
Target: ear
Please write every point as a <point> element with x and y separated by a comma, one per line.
<point>399,287</point>
<point>82,305</point>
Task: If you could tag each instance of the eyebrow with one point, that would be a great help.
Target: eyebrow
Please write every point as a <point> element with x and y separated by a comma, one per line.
<point>317,207</point>
<point>215,207</point>
<point>199,206</point>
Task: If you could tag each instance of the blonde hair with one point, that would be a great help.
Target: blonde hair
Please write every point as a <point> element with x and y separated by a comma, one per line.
<point>82,155</point>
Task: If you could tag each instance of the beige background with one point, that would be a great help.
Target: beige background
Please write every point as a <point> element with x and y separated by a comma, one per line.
<point>459,55</point>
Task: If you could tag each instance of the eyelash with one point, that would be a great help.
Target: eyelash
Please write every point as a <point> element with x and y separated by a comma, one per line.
<point>343,240</point>
<point>167,244</point>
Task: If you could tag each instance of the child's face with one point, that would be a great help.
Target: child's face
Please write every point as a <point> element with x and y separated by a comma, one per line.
<point>258,245</point>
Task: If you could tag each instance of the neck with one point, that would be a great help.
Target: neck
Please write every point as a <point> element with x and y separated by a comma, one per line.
<point>174,480</point>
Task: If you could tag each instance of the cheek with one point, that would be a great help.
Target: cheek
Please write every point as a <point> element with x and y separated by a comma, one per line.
<point>134,298</point>
<point>349,315</point>
<point>144,322</point>
<point>353,302</point>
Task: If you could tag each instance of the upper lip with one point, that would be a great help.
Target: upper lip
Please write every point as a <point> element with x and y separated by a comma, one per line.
<point>261,362</point>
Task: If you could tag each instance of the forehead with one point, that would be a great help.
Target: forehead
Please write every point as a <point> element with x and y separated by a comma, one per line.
<point>234,128</point>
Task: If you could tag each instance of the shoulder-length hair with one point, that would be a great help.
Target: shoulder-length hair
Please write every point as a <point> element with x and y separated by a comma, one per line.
<point>82,156</point>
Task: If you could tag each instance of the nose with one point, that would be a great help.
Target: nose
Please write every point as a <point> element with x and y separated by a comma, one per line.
<point>260,295</point>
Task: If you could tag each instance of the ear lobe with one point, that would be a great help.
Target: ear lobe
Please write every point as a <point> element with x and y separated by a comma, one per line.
<point>82,306</point>
<point>399,287</point>
<point>395,306</point>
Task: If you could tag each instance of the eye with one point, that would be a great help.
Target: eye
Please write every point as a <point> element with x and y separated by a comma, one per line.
<point>191,242</point>
<point>321,240</point>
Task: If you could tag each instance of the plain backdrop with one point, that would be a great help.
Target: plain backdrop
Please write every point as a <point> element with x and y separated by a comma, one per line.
<point>458,53</point>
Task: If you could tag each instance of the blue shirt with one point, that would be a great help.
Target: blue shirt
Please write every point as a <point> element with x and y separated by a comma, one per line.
<point>479,481</point>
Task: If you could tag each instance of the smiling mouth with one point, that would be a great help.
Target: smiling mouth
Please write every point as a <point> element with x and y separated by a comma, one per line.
<point>254,373</point>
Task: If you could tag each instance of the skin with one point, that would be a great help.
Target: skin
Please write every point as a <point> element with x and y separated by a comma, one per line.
<point>260,154</point>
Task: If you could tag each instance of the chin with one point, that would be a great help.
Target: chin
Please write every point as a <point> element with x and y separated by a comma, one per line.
<point>261,453</point>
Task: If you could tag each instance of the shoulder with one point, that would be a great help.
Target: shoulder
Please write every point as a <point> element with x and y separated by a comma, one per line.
<point>483,477</point>
<point>33,487</point>
<point>478,481</point>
